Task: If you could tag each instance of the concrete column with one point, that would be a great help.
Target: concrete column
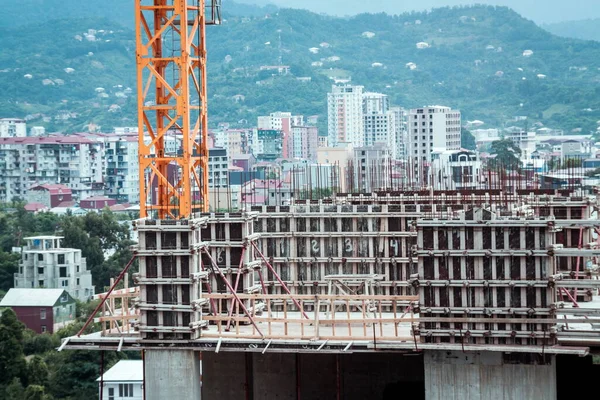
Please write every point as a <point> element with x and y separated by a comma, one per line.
<point>487,375</point>
<point>172,374</point>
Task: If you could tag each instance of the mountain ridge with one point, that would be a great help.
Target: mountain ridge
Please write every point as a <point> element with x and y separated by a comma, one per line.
<point>458,69</point>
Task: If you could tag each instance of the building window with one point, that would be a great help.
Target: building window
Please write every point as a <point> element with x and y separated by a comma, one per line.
<point>111,393</point>
<point>40,271</point>
<point>125,389</point>
<point>40,257</point>
<point>42,313</point>
<point>44,329</point>
<point>63,272</point>
<point>41,283</point>
<point>61,258</point>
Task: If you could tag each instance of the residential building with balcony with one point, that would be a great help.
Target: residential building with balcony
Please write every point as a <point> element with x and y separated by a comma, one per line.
<point>282,121</point>
<point>434,128</point>
<point>305,141</point>
<point>345,115</point>
<point>122,180</point>
<point>69,160</point>
<point>218,168</point>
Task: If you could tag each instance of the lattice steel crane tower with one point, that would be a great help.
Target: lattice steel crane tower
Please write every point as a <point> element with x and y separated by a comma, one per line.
<point>172,105</point>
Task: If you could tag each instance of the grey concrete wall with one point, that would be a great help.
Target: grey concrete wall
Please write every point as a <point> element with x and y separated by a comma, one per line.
<point>172,374</point>
<point>224,376</point>
<point>486,375</point>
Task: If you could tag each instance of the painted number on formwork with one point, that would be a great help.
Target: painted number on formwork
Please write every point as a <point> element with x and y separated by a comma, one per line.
<point>348,243</point>
<point>220,256</point>
<point>314,246</point>
<point>394,245</point>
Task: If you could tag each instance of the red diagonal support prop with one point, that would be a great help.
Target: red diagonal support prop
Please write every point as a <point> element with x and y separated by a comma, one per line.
<point>283,285</point>
<point>121,275</point>
<point>237,282</point>
<point>218,271</point>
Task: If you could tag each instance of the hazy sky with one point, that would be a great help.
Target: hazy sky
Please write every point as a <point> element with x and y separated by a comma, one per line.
<point>541,11</point>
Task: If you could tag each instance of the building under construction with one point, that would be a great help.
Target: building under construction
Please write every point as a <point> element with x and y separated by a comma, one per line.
<point>439,294</point>
<point>329,293</point>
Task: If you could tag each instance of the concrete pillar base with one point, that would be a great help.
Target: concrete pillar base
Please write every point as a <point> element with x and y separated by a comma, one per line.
<point>172,374</point>
<point>456,375</point>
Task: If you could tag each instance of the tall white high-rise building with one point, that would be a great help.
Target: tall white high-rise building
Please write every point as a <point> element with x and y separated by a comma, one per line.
<point>381,129</point>
<point>380,122</point>
<point>375,103</point>
<point>399,115</point>
<point>433,128</point>
<point>345,116</point>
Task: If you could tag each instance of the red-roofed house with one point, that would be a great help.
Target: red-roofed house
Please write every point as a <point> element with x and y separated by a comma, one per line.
<point>97,203</point>
<point>50,195</point>
<point>35,207</point>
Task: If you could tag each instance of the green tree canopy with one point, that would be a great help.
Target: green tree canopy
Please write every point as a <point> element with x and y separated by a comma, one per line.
<point>508,155</point>
<point>467,140</point>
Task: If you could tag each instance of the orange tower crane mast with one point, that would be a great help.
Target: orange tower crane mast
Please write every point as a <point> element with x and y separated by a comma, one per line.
<point>172,105</point>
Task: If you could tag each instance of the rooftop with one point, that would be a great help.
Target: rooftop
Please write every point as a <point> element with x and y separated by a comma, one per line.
<point>54,188</point>
<point>31,297</point>
<point>43,237</point>
<point>125,371</point>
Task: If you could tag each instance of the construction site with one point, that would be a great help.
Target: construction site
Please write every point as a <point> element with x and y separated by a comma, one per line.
<point>427,292</point>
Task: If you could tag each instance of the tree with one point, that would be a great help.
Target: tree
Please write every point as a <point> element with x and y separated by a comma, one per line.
<point>12,359</point>
<point>36,392</point>
<point>467,140</point>
<point>9,263</point>
<point>508,155</point>
<point>15,390</point>
<point>38,371</point>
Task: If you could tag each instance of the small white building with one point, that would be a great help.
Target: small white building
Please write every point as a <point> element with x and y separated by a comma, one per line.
<point>13,127</point>
<point>455,169</point>
<point>125,380</point>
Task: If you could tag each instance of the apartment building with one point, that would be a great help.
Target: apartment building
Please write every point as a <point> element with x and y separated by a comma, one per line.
<point>267,144</point>
<point>375,103</point>
<point>372,168</point>
<point>305,141</point>
<point>45,264</point>
<point>432,128</point>
<point>13,127</point>
<point>399,117</point>
<point>71,160</point>
<point>282,121</point>
<point>122,168</point>
<point>218,167</point>
<point>345,116</point>
<point>235,141</point>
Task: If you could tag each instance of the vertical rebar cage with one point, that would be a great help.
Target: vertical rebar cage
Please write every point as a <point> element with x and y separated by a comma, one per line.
<point>172,106</point>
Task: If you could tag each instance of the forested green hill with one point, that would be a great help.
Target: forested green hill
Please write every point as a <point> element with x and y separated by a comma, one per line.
<point>474,62</point>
